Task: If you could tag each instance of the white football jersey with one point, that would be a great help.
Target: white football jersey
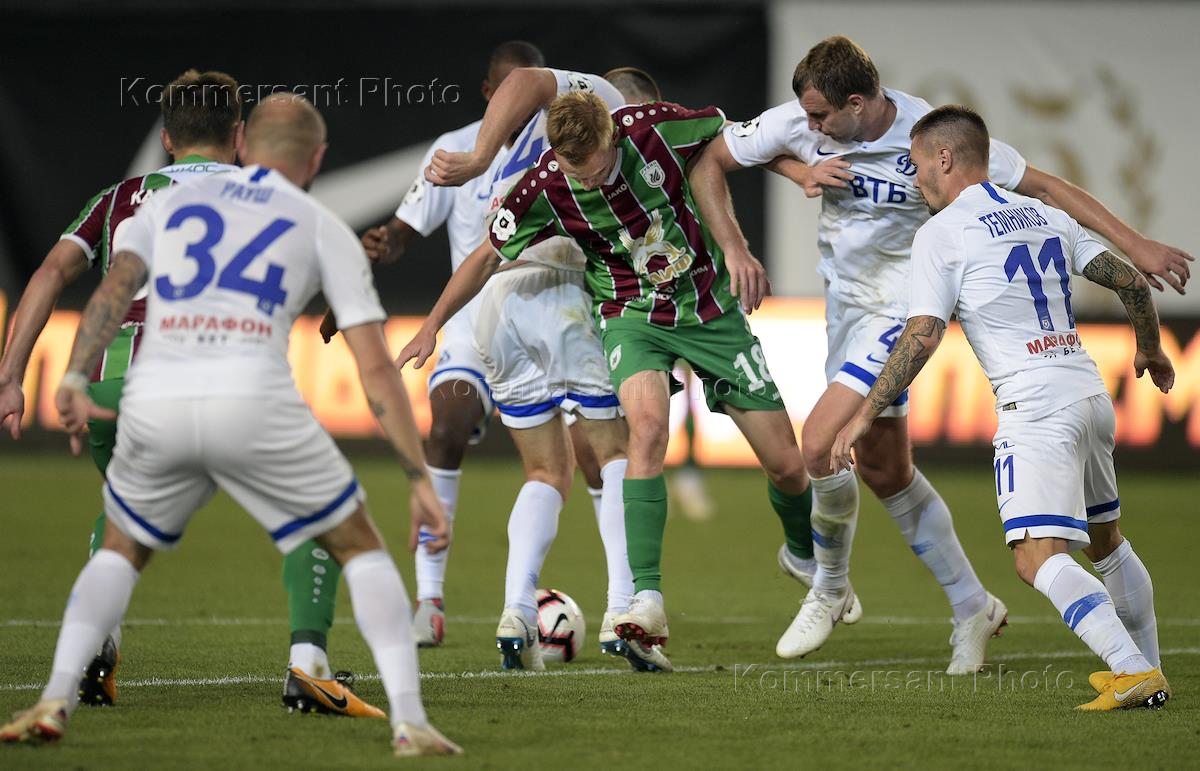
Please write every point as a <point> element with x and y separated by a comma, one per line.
<point>558,252</point>
<point>462,209</point>
<point>865,230</point>
<point>232,260</point>
<point>1003,262</point>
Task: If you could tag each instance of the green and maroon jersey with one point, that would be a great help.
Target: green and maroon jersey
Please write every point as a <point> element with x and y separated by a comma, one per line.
<point>93,231</point>
<point>650,257</point>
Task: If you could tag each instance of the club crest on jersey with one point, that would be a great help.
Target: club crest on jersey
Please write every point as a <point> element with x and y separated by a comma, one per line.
<point>504,225</point>
<point>415,193</point>
<point>660,261</point>
<point>745,128</point>
<point>579,82</point>
<point>904,165</point>
<point>653,174</point>
<point>614,358</point>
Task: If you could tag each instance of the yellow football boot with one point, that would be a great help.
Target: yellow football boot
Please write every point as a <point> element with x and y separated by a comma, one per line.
<point>1143,689</point>
<point>330,697</point>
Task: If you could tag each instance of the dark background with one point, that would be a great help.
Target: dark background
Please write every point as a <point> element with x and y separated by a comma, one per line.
<point>64,133</point>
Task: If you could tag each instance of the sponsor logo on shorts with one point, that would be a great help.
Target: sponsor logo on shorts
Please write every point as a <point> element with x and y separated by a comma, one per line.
<point>745,128</point>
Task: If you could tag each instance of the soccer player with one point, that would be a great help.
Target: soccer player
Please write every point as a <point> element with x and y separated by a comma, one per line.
<point>230,261</point>
<point>854,136</point>
<point>459,396</point>
<point>1002,262</point>
<point>201,130</point>
<point>664,287</point>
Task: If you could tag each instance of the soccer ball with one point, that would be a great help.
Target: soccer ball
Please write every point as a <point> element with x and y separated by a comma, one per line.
<point>561,628</point>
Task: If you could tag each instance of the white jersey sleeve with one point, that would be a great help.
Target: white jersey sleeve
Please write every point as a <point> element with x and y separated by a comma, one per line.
<point>772,134</point>
<point>937,272</point>
<point>426,206</point>
<point>345,274</point>
<point>584,82</point>
<point>1006,166</point>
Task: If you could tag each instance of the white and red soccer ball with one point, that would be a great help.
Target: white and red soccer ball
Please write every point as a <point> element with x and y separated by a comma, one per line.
<point>561,628</point>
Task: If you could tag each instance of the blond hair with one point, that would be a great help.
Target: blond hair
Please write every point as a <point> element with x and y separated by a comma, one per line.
<point>578,126</point>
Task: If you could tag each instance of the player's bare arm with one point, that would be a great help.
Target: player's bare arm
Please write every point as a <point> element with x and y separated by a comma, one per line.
<point>1156,260</point>
<point>1110,271</point>
<point>64,263</point>
<point>466,282</point>
<point>921,337</point>
<point>389,402</point>
<point>525,91</point>
<point>706,176</point>
<point>383,246</point>
<point>98,326</point>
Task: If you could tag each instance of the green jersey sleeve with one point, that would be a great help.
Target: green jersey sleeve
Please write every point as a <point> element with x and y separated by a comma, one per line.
<point>522,222</point>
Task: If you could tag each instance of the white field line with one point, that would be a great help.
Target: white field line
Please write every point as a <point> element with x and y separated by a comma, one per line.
<point>833,665</point>
<point>485,620</point>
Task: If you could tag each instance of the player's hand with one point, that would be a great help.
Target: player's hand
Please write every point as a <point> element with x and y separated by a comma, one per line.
<point>834,172</point>
<point>430,526</point>
<point>1161,371</point>
<point>747,278</point>
<point>12,407</point>
<point>839,455</point>
<point>453,169</point>
<point>1159,261</point>
<point>75,408</point>
<point>420,348</point>
<point>378,246</point>
<point>329,326</point>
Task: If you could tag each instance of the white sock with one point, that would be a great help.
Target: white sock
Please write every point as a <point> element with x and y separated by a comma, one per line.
<point>97,603</point>
<point>801,564</point>
<point>597,497</point>
<point>1128,582</point>
<point>924,520</point>
<point>610,518</point>
<point>431,568</point>
<point>531,530</point>
<point>1088,609</point>
<point>381,611</point>
<point>834,516</point>
<point>310,659</point>
<point>650,594</point>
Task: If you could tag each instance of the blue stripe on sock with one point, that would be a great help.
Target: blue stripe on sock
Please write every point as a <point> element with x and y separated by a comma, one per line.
<point>825,542</point>
<point>1079,609</point>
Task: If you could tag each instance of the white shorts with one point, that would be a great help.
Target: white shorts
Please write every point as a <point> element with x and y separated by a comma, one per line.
<point>859,344</point>
<point>536,337</point>
<point>1055,474</point>
<point>458,360</point>
<point>271,456</point>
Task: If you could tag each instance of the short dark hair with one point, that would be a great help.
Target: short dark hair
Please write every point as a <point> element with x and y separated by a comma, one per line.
<point>519,52</point>
<point>961,128</point>
<point>837,67</point>
<point>634,84</point>
<point>201,108</point>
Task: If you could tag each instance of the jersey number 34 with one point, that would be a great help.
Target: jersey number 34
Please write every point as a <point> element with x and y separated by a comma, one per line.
<point>268,291</point>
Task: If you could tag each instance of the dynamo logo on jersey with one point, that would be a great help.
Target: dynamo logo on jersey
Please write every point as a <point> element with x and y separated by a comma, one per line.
<point>904,165</point>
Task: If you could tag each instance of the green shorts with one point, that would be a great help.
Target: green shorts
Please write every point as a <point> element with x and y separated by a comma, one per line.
<point>723,353</point>
<point>102,434</point>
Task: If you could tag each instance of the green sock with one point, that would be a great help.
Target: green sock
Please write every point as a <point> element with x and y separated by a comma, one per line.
<point>310,578</point>
<point>645,521</point>
<point>97,535</point>
<point>795,512</point>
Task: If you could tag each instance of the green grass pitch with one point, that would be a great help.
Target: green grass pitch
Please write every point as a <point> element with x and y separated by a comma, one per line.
<point>206,644</point>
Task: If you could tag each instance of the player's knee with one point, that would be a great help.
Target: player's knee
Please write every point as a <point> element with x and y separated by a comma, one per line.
<point>814,449</point>
<point>787,472</point>
<point>449,437</point>
<point>884,476</point>
<point>552,475</point>
<point>1105,538</point>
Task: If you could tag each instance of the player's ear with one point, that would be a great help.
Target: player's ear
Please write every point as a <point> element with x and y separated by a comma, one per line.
<point>485,88</point>
<point>165,138</point>
<point>239,137</point>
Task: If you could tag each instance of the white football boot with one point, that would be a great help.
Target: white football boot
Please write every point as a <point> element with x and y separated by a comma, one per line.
<point>643,658</point>
<point>646,620</point>
<point>410,740</point>
<point>429,623</point>
<point>787,563</point>
<point>518,642</point>
<point>819,614</point>
<point>970,637</point>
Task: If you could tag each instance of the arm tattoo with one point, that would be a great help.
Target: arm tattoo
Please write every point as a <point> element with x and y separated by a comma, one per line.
<point>411,470</point>
<point>1110,271</point>
<point>377,408</point>
<point>921,337</point>
<point>106,310</point>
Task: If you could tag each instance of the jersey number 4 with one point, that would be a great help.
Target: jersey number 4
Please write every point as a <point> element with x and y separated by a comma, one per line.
<point>268,291</point>
<point>1020,259</point>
